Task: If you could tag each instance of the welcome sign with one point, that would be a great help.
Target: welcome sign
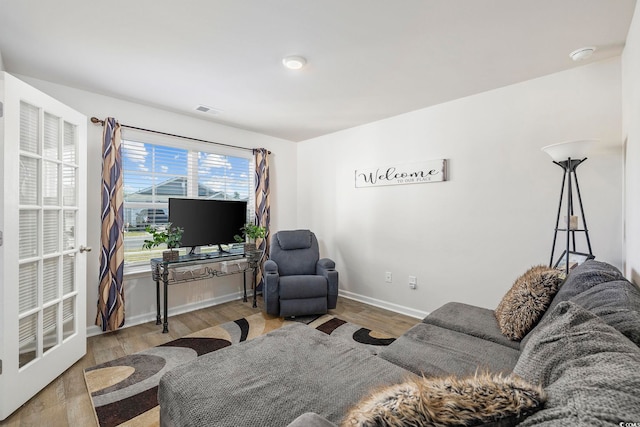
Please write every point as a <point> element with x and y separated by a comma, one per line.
<point>411,173</point>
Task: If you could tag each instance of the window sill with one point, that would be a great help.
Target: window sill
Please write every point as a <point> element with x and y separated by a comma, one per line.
<point>137,271</point>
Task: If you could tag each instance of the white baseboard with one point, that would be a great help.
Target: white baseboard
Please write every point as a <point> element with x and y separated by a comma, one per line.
<point>418,314</point>
<point>151,317</point>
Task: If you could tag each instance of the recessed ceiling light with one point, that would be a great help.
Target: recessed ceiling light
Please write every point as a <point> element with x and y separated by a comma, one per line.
<point>582,53</point>
<point>294,62</point>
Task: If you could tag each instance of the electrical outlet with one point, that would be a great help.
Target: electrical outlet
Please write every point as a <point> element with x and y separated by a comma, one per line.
<point>387,277</point>
<point>413,281</point>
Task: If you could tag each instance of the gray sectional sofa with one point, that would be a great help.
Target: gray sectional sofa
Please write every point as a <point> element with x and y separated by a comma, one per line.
<point>584,352</point>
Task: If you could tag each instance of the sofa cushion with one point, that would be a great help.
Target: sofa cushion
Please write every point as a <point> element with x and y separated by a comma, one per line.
<point>588,369</point>
<point>295,252</point>
<point>294,239</point>
<point>434,351</point>
<point>527,300</point>
<point>585,276</point>
<point>482,399</point>
<point>294,287</point>
<point>617,304</point>
<point>271,380</point>
<point>603,290</point>
<point>471,320</point>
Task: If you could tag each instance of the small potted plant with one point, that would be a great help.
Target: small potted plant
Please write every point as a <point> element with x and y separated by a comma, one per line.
<point>250,232</point>
<point>170,235</point>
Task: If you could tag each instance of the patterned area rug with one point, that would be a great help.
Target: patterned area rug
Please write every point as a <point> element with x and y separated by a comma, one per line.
<point>124,391</point>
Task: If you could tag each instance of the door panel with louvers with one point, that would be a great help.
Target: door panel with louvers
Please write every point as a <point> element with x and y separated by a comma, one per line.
<point>46,230</point>
<point>43,224</point>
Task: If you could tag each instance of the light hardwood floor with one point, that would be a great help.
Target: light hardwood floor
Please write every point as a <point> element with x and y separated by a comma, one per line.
<point>65,402</point>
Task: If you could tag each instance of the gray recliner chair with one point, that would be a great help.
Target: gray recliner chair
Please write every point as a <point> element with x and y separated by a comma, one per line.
<point>297,282</point>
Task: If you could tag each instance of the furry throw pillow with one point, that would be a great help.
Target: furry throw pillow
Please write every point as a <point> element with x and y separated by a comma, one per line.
<point>527,300</point>
<point>450,401</point>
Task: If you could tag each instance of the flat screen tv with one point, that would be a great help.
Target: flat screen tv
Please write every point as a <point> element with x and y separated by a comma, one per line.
<point>207,222</point>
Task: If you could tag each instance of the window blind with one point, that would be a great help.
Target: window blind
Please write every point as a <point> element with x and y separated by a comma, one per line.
<point>153,173</point>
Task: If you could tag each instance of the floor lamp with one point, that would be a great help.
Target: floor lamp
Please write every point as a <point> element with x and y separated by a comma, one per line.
<point>569,155</point>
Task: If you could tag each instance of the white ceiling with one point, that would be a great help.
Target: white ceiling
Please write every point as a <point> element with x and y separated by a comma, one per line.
<point>367,59</point>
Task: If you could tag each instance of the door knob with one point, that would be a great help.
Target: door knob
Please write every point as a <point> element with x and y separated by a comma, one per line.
<point>84,248</point>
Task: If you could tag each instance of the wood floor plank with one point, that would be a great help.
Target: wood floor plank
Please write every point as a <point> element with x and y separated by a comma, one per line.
<point>80,411</point>
<point>65,402</point>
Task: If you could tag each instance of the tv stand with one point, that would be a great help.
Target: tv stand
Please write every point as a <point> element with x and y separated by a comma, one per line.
<point>193,266</point>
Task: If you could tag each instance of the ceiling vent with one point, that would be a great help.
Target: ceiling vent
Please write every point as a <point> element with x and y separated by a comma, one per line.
<point>208,110</point>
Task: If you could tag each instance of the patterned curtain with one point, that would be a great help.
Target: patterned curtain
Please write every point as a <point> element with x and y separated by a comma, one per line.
<point>111,291</point>
<point>263,206</point>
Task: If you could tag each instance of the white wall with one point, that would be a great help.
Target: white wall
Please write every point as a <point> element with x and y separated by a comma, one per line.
<point>631,134</point>
<point>140,289</point>
<point>469,238</point>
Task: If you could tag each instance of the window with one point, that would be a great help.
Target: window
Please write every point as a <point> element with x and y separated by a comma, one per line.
<point>153,173</point>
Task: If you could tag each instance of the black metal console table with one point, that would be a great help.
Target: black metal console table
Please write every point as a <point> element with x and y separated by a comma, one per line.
<point>195,267</point>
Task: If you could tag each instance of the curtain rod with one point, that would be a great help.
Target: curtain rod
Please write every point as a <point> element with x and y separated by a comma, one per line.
<point>97,121</point>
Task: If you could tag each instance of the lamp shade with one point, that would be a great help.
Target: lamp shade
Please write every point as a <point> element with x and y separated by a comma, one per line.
<point>570,149</point>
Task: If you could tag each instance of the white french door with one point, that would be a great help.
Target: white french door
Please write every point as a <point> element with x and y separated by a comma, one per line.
<point>43,226</point>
